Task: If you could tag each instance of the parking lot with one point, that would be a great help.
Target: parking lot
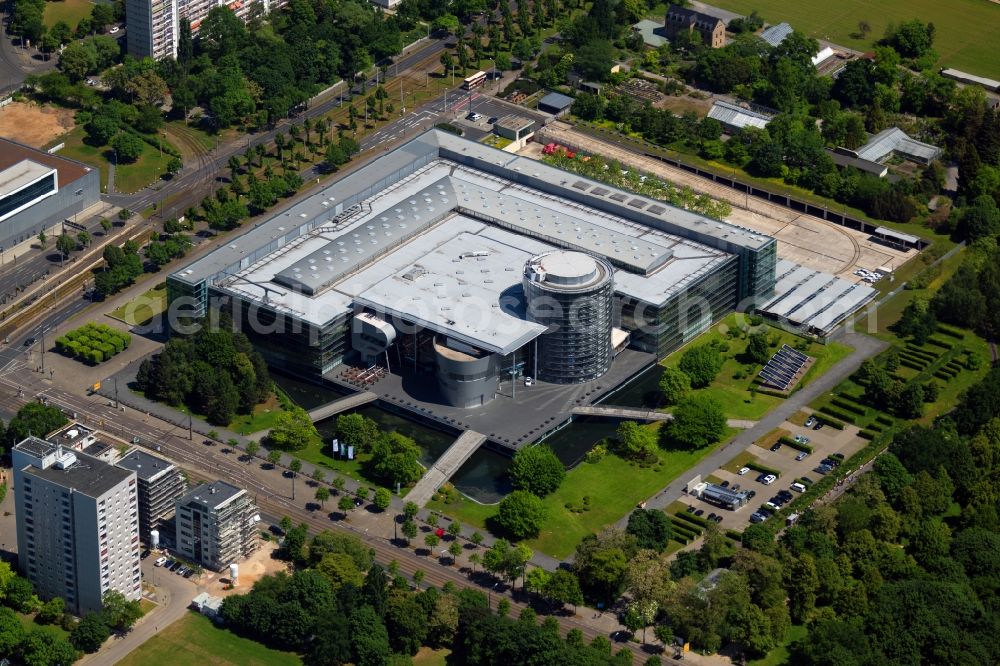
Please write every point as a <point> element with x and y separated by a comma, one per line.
<point>826,442</point>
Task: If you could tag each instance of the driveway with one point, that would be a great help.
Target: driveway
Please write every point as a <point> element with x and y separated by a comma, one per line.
<point>172,595</point>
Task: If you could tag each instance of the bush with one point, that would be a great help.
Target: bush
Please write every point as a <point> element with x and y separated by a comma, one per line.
<point>849,406</point>
<point>826,420</point>
<point>691,518</point>
<point>93,343</point>
<point>762,469</point>
<point>867,434</point>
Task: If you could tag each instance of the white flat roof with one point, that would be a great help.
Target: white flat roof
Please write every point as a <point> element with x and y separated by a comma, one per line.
<point>20,175</point>
<point>814,299</point>
<point>453,267</point>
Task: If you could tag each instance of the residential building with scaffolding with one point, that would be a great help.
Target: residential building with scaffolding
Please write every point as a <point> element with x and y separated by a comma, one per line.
<point>161,483</point>
<point>216,525</point>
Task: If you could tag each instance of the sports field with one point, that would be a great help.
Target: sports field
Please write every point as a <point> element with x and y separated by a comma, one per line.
<point>967,30</point>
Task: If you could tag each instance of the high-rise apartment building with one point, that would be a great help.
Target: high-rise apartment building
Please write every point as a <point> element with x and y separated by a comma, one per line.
<point>160,485</point>
<point>77,525</point>
<point>216,525</point>
<point>154,25</point>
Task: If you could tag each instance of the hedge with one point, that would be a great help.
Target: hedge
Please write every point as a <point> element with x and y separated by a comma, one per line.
<point>763,469</point>
<point>788,441</point>
<point>93,343</point>
<point>950,332</point>
<point>836,413</point>
<point>884,420</point>
<point>832,422</point>
<point>940,343</point>
<point>843,403</point>
<point>867,434</point>
<point>917,351</point>
<point>735,535</point>
<point>691,518</point>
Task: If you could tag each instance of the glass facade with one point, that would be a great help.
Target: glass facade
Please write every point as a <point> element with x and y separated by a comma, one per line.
<point>662,329</point>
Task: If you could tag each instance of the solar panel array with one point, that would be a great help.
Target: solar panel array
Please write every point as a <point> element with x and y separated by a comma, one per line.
<point>783,368</point>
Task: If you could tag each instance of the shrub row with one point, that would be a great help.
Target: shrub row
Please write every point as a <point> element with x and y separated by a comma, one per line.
<point>907,363</point>
<point>735,535</point>
<point>950,332</point>
<point>836,413</point>
<point>884,420</point>
<point>914,350</point>
<point>762,469</point>
<point>830,421</point>
<point>788,441</point>
<point>843,403</point>
<point>686,530</point>
<point>867,434</point>
<point>940,343</point>
<point>913,358</point>
<point>691,518</point>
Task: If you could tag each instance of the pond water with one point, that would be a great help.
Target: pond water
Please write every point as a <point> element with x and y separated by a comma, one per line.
<point>484,477</point>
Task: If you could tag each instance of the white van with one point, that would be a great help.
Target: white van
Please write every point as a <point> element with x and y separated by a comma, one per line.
<point>798,487</point>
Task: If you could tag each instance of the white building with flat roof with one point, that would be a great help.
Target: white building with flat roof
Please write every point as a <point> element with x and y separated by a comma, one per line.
<point>77,525</point>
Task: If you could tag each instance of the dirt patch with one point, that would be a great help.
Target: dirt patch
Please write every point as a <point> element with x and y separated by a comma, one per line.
<point>260,564</point>
<point>681,105</point>
<point>34,125</point>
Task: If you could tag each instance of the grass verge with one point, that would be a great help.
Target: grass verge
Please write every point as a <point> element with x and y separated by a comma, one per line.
<point>70,11</point>
<point>614,485</point>
<point>194,641</point>
<point>143,307</point>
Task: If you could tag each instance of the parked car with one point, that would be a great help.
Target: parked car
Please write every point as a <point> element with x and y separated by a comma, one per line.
<point>528,381</point>
<point>757,517</point>
<point>160,561</point>
<point>699,512</point>
<point>144,554</point>
<point>474,117</point>
<point>724,484</point>
<point>743,470</point>
<point>777,445</point>
<point>811,421</point>
<point>819,424</point>
<point>691,509</point>
<point>711,516</point>
<point>181,571</point>
<point>717,519</point>
<point>802,456</point>
<point>769,479</point>
<point>751,494</point>
<point>114,30</point>
<point>761,477</point>
<point>798,487</point>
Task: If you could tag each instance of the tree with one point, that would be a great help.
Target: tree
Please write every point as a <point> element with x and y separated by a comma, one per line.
<point>409,530</point>
<point>357,430</point>
<point>77,60</point>
<point>345,504</point>
<point>652,529</point>
<point>174,165</point>
<point>252,448</point>
<point>65,244</point>
<point>698,421</point>
<point>410,510</point>
<point>674,385</point>
<point>42,239</point>
<point>127,146</point>
<point>41,648</point>
<point>431,540</point>
<point>911,39</point>
<point>293,430</point>
<point>11,631</point>
<point>594,59</point>
<point>701,364</point>
<point>383,498</point>
<point>369,638</point>
<point>757,349</point>
<point>521,514</point>
<point>89,634</point>
<point>635,441</point>
<point>106,224</point>
<point>51,611</point>
<point>395,459</point>
<point>537,470</point>
<point>34,419</point>
<point>84,238</point>
<point>274,457</point>
<point>322,495</point>
<point>119,612</point>
<point>454,529</point>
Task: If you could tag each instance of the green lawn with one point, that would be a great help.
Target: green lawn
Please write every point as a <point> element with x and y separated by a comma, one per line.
<point>734,394</point>
<point>70,11</point>
<point>780,654</point>
<point>614,485</point>
<point>150,166</point>
<point>28,622</point>
<point>965,37</point>
<point>76,149</point>
<point>143,307</point>
<point>195,641</point>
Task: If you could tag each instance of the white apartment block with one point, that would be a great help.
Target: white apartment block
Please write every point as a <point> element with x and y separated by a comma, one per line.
<point>154,25</point>
<point>77,525</point>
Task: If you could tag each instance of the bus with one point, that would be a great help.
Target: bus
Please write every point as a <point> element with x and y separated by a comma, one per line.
<point>474,81</point>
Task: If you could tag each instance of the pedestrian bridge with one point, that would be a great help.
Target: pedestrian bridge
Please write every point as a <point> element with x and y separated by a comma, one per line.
<point>339,405</point>
<point>445,467</point>
<point>649,415</point>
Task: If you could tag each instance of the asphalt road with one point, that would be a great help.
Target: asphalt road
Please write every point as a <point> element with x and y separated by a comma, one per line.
<point>15,64</point>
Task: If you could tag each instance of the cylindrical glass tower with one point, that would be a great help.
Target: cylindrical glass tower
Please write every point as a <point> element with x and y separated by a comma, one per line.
<point>570,293</point>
